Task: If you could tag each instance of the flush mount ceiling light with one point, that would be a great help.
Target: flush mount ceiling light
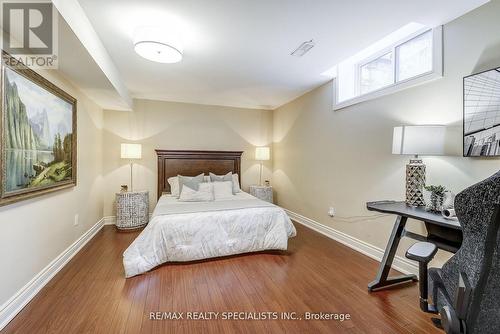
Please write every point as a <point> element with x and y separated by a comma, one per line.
<point>158,45</point>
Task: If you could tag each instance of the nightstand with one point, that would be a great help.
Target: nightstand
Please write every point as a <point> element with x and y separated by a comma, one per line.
<point>264,193</point>
<point>132,210</point>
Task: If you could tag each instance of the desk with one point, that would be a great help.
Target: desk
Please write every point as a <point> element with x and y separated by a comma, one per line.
<point>444,233</point>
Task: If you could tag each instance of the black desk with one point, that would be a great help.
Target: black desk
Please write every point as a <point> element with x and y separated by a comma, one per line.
<point>444,233</point>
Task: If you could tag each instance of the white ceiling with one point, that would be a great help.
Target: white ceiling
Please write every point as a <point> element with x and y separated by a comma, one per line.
<point>237,52</point>
<point>78,66</point>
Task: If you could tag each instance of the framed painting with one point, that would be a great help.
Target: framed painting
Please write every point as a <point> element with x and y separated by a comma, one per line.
<point>38,134</point>
<point>482,114</point>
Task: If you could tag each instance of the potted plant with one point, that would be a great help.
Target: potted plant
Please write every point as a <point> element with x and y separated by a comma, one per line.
<point>435,201</point>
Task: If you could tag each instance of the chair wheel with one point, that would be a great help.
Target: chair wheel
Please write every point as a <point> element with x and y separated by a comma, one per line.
<point>449,320</point>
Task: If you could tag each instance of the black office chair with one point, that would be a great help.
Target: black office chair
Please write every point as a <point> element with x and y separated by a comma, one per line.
<point>466,291</point>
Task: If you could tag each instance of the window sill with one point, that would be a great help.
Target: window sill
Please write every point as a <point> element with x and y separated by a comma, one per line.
<point>419,80</point>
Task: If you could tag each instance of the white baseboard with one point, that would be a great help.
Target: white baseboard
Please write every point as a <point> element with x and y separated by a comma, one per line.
<point>109,220</point>
<point>15,304</point>
<point>401,264</point>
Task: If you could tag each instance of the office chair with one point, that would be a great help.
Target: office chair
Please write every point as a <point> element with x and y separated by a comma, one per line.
<point>466,290</point>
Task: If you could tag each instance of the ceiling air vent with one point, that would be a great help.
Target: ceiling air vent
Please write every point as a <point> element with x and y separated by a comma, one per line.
<point>303,49</point>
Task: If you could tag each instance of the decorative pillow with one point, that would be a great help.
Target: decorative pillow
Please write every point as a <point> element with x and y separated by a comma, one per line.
<point>228,177</point>
<point>173,181</point>
<point>236,184</point>
<point>204,193</point>
<point>223,190</point>
<point>174,186</point>
<point>192,182</point>
<point>220,178</point>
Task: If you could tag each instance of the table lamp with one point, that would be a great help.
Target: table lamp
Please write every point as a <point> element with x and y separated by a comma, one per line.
<point>131,152</point>
<point>262,154</point>
<point>417,140</point>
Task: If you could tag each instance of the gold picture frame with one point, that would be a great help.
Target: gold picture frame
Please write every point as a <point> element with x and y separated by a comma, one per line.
<point>38,129</point>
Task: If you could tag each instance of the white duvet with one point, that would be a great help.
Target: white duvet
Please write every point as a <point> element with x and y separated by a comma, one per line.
<point>188,231</point>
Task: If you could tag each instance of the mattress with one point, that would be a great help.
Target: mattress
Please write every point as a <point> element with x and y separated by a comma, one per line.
<point>189,231</point>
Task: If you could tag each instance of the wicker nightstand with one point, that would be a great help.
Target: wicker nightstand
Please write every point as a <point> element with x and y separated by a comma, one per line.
<point>132,210</point>
<point>264,193</point>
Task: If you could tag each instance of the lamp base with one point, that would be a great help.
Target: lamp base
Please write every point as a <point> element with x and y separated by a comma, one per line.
<point>415,182</point>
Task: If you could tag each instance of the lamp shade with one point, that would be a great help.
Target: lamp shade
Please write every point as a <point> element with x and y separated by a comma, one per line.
<point>131,151</point>
<point>262,153</point>
<point>419,140</point>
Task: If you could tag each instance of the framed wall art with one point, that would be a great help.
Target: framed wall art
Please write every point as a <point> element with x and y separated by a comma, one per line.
<point>38,127</point>
<point>482,114</point>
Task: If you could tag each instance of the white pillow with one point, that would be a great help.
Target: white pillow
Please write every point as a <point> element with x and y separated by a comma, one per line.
<point>175,187</point>
<point>236,182</point>
<point>204,194</point>
<point>223,190</point>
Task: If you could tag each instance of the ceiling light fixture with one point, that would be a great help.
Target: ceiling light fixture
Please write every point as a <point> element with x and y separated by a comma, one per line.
<point>158,45</point>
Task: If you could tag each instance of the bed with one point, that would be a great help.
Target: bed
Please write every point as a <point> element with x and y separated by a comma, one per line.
<point>189,231</point>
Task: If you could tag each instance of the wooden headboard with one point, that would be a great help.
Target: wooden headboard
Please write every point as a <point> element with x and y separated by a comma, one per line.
<point>192,163</point>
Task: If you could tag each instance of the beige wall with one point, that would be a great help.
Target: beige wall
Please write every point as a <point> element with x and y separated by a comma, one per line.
<point>36,231</point>
<point>343,158</point>
<point>170,125</point>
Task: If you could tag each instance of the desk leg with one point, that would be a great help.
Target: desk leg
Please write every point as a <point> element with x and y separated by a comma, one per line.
<point>382,280</point>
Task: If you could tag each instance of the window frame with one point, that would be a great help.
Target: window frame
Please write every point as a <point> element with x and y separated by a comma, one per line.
<point>435,73</point>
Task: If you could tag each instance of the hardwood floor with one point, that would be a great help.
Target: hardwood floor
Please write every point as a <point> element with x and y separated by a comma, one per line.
<point>91,295</point>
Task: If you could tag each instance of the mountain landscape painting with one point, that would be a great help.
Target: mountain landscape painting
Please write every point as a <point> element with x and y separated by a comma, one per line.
<point>38,148</point>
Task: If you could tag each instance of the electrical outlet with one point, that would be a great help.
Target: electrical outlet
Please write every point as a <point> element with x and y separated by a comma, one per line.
<point>76,220</point>
<point>331,211</point>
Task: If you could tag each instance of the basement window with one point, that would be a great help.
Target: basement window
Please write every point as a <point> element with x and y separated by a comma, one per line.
<point>408,57</point>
